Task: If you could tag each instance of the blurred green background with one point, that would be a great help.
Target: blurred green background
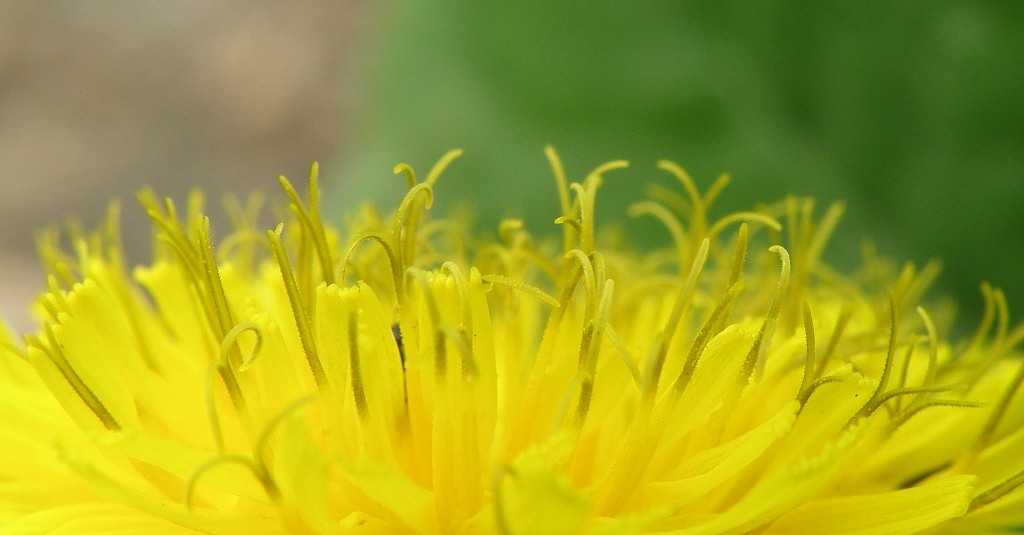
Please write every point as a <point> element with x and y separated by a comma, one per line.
<point>911,112</point>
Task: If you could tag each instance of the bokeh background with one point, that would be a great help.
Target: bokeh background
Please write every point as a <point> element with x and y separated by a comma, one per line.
<point>101,98</point>
<point>913,113</point>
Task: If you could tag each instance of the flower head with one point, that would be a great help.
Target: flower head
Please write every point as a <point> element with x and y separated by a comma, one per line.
<point>401,378</point>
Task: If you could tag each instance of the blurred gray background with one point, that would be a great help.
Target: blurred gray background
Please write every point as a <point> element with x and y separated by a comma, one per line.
<point>100,98</point>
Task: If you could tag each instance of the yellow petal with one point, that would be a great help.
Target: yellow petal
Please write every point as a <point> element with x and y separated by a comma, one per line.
<point>410,504</point>
<point>907,511</point>
<point>705,471</point>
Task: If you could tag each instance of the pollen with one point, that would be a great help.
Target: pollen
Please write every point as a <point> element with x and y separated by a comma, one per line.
<point>400,375</point>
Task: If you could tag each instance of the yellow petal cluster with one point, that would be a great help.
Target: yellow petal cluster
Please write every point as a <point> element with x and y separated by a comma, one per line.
<point>400,377</point>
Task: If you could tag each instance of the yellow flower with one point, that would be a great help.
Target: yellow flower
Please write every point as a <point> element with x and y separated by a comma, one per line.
<point>400,378</point>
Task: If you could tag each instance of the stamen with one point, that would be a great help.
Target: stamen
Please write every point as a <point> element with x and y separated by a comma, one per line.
<point>1005,487</point>
<point>570,222</point>
<point>580,381</point>
<point>54,352</point>
<point>837,332</point>
<point>998,411</point>
<point>670,221</point>
<point>562,184</point>
<point>396,334</point>
<point>910,285</point>
<point>583,224</point>
<point>654,366</point>
<point>394,263</point>
<point>815,385</point>
<point>916,390</point>
<point>453,230</point>
<point>590,346</point>
<point>587,387</point>
<point>358,392</point>
<point>226,367</point>
<point>742,238</point>
<point>912,411</point>
<point>298,310</point>
<point>410,174</point>
<point>669,198</point>
<point>1002,321</point>
<point>465,334</point>
<point>904,370</point>
<point>80,244</point>
<point>257,465</point>
<point>698,220</point>
<point>213,283</point>
<point>522,287</point>
<point>463,343</point>
<point>189,264</point>
<point>700,342</point>
<point>809,360</point>
<point>261,447</point>
<point>406,218</point>
<point>174,235</point>
<point>408,215</point>
<point>876,398</point>
<point>717,187</point>
<point>604,168</point>
<point>194,208</point>
<point>586,194</point>
<point>1003,339</point>
<point>799,223</point>
<point>196,260</point>
<point>110,234</point>
<point>441,165</point>
<point>824,230</point>
<point>986,321</point>
<point>440,351</point>
<point>627,357</point>
<point>55,262</point>
<point>745,217</point>
<point>509,229</point>
<point>569,280</point>
<point>239,248</point>
<point>686,292</point>
<point>687,182</point>
<point>755,361</point>
<point>933,347</point>
<point>268,485</point>
<point>311,221</point>
<point>212,416</point>
<point>600,271</point>
<point>590,280</point>
<point>244,217</point>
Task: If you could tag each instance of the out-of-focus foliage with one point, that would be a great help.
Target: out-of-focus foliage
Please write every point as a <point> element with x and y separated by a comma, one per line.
<point>913,113</point>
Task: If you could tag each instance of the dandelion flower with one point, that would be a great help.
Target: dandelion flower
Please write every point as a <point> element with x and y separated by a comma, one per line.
<point>399,377</point>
